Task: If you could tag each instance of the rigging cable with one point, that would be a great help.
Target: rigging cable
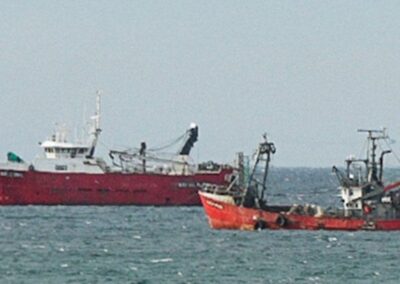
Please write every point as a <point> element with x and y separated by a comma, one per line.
<point>175,141</point>
<point>390,148</point>
<point>103,145</point>
<point>362,150</point>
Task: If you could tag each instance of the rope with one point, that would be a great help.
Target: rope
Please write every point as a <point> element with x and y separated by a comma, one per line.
<point>133,150</point>
<point>362,150</point>
<point>391,149</point>
<point>130,155</point>
<point>103,145</point>
<point>170,144</point>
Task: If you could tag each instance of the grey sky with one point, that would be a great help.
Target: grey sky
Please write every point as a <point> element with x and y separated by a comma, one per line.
<point>307,72</point>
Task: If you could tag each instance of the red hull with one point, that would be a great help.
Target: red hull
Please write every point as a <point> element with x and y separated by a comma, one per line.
<point>226,215</point>
<point>41,188</point>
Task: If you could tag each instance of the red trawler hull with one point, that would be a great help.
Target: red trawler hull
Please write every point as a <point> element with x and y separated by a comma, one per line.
<point>41,188</point>
<point>222,213</point>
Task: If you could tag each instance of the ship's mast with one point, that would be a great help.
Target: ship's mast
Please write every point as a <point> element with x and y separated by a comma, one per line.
<point>371,163</point>
<point>357,192</point>
<point>97,114</point>
<point>95,129</point>
<point>264,152</point>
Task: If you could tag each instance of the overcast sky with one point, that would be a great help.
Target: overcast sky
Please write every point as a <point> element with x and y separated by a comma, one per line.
<point>309,73</point>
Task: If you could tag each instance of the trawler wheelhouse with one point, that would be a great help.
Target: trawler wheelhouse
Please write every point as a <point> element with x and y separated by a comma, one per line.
<point>57,150</point>
<point>361,185</point>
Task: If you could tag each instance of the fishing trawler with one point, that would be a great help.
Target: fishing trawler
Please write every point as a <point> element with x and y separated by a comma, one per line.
<point>69,174</point>
<point>367,203</point>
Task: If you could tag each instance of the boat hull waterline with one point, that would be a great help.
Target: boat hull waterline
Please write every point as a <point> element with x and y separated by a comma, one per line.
<point>41,188</point>
<point>223,213</point>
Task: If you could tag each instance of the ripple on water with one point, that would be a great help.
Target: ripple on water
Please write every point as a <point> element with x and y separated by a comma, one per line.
<point>175,245</point>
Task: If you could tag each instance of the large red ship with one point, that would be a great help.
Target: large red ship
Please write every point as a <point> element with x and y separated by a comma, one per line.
<point>69,174</point>
<point>367,203</point>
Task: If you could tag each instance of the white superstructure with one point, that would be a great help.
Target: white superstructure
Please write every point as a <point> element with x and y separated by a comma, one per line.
<point>60,155</point>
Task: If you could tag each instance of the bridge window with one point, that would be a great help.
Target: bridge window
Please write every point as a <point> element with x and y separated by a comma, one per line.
<point>61,167</point>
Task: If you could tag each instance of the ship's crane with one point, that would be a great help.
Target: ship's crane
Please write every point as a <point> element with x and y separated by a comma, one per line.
<point>192,138</point>
<point>127,159</point>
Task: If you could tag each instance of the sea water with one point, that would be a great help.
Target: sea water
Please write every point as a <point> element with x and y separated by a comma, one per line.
<point>130,244</point>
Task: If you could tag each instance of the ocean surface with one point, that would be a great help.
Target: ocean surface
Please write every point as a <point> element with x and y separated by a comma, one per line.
<point>92,244</point>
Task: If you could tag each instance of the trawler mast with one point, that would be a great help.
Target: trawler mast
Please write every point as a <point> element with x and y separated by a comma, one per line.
<point>370,161</point>
<point>253,192</point>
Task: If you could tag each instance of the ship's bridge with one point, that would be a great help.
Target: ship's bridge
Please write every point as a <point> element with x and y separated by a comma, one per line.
<point>57,150</point>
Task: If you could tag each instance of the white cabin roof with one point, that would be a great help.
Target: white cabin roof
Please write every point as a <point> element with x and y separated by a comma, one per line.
<point>56,144</point>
